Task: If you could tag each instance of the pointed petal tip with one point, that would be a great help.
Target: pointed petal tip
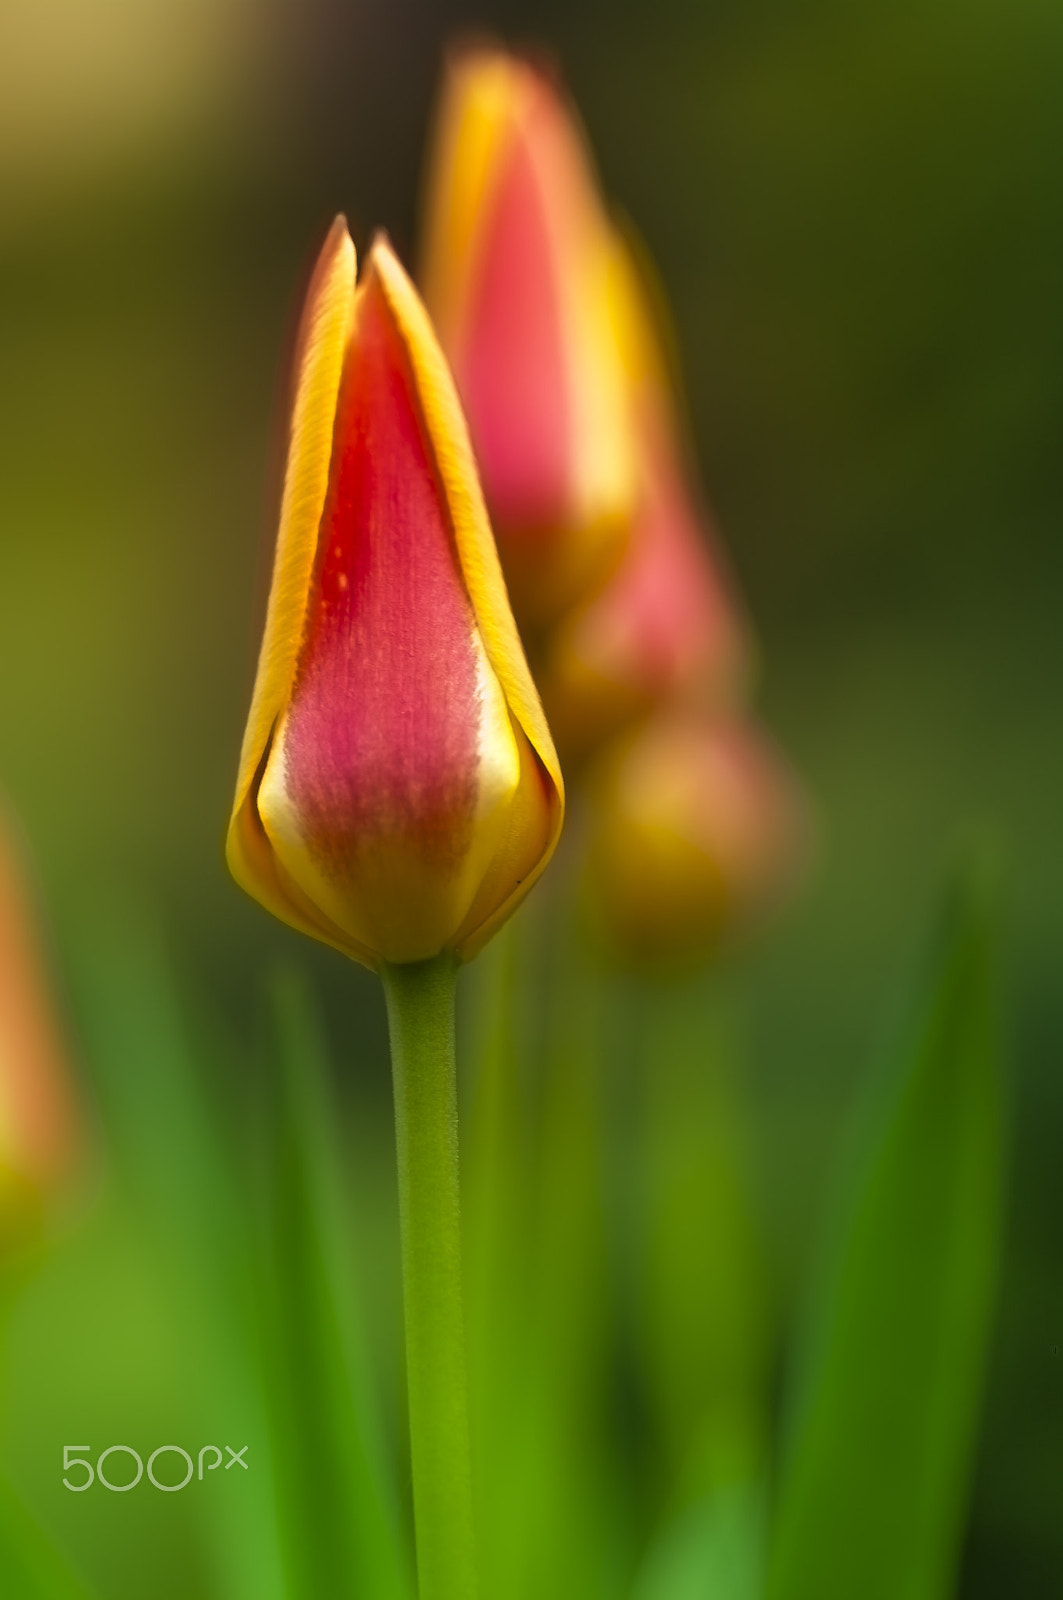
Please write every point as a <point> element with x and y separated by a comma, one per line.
<point>338,242</point>
<point>381,245</point>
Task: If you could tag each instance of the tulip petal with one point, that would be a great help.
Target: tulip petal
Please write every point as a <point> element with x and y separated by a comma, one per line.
<point>323,340</point>
<point>384,714</point>
<point>537,814</point>
<point>515,380</point>
<point>667,623</point>
<point>472,530</point>
<point>665,626</point>
<point>479,98</point>
<point>517,275</point>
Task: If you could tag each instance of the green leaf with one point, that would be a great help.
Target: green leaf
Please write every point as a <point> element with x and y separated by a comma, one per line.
<point>30,1566</point>
<point>339,1523</point>
<point>177,1181</point>
<point>552,1513</point>
<point>712,1551</point>
<point>873,1496</point>
<point>700,1305</point>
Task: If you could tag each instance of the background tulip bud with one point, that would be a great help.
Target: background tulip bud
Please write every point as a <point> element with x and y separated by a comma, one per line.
<point>693,826</point>
<point>36,1100</point>
<point>517,277</point>
<point>398,789</point>
<point>666,625</point>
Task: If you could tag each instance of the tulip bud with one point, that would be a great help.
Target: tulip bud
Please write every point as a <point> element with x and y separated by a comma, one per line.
<point>36,1115</point>
<point>666,625</point>
<point>398,790</point>
<point>517,275</point>
<point>693,826</point>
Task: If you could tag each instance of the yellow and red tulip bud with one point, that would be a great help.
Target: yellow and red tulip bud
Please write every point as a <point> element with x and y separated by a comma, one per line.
<point>398,790</point>
<point>666,625</point>
<point>694,825</point>
<point>37,1121</point>
<point>517,276</point>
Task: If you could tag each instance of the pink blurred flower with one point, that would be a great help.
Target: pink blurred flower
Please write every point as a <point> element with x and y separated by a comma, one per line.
<point>517,275</point>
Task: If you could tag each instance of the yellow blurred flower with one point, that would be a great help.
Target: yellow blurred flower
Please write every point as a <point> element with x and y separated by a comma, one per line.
<point>398,790</point>
<point>693,826</point>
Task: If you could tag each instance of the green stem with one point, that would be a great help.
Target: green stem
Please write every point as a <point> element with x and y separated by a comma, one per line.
<point>420,999</point>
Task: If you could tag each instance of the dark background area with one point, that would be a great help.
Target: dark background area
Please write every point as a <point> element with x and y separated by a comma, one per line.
<point>858,219</point>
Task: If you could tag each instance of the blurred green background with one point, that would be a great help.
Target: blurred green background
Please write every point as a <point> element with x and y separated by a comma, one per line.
<point>857,215</point>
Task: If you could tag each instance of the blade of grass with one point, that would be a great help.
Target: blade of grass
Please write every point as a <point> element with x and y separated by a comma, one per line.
<point>713,1550</point>
<point>873,1494</point>
<point>541,1366</point>
<point>152,1056</point>
<point>578,1531</point>
<point>339,1519</point>
<point>31,1568</point>
<point>700,1302</point>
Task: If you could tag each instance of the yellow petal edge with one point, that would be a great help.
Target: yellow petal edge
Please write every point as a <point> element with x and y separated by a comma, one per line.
<point>324,335</point>
<point>484,93</point>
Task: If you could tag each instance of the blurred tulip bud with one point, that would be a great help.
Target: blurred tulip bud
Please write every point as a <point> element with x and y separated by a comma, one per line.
<point>398,790</point>
<point>666,625</point>
<point>517,276</point>
<point>36,1100</point>
<point>693,826</point>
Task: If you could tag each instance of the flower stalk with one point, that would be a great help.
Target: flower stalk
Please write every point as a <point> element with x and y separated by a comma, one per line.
<point>420,1002</point>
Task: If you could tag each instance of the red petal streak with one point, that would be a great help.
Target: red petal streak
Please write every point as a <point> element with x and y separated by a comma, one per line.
<point>512,372</point>
<point>381,741</point>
